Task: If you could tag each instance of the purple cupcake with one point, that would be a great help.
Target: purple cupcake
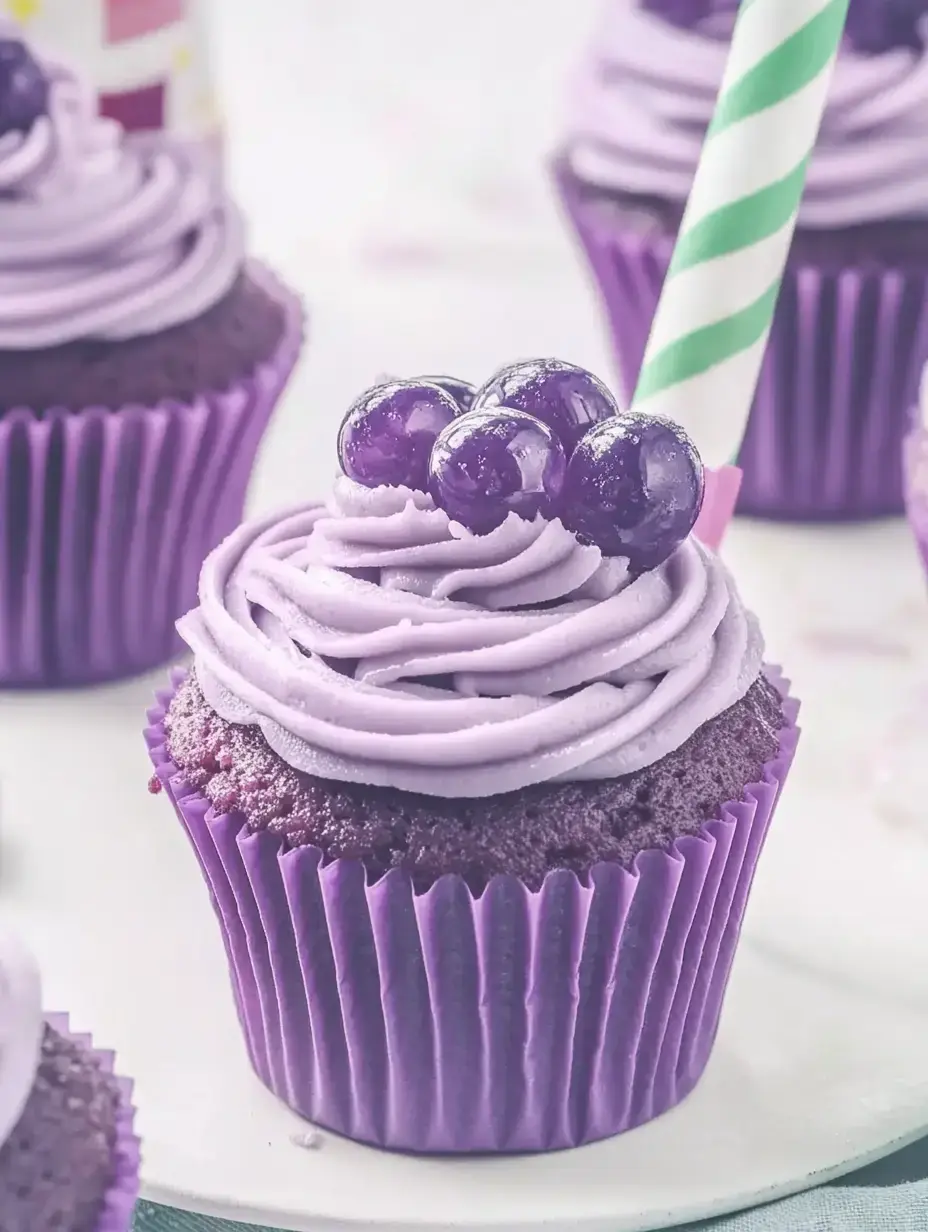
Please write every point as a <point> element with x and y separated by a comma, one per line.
<point>69,1160</point>
<point>477,759</point>
<point>851,328</point>
<point>141,355</point>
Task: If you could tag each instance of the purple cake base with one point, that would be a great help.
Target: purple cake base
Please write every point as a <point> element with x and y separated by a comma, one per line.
<point>119,1202</point>
<point>513,1021</point>
<point>841,370</point>
<point>106,517</point>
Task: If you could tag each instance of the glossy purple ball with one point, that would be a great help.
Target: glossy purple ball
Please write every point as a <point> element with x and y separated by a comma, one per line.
<point>461,391</point>
<point>568,399</point>
<point>493,462</point>
<point>634,487</point>
<point>23,88</point>
<point>388,433</point>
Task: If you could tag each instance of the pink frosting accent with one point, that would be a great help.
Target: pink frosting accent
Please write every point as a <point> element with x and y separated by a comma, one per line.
<point>718,505</point>
<point>104,236</point>
<point>646,94</point>
<point>375,641</point>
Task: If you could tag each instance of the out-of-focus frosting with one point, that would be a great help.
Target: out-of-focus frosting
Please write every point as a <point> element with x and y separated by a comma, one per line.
<point>21,1028</point>
<point>373,641</point>
<point>644,99</point>
<point>102,236</point>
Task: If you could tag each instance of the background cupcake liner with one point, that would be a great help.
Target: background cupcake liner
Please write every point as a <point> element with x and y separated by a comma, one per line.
<point>518,1021</point>
<point>915,463</point>
<point>116,1215</point>
<point>840,373</point>
<point>106,517</point>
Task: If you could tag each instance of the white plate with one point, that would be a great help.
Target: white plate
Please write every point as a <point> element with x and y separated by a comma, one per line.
<point>820,1060</point>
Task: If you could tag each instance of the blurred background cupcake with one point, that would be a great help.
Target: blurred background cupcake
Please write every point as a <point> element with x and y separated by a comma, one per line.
<point>148,60</point>
<point>851,332</point>
<point>141,355</point>
<point>69,1159</point>
<point>915,463</point>
<point>479,797</point>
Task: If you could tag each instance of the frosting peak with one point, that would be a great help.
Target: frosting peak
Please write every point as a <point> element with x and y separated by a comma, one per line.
<point>104,236</point>
<point>647,93</point>
<point>374,640</point>
<point>21,1027</point>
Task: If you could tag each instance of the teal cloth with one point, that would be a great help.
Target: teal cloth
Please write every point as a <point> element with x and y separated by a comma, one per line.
<point>889,1196</point>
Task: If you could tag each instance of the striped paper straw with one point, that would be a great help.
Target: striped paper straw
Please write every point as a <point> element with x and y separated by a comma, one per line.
<point>711,325</point>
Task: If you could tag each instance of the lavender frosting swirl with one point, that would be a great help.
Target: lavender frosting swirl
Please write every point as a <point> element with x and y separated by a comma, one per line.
<point>374,641</point>
<point>105,237</point>
<point>644,100</point>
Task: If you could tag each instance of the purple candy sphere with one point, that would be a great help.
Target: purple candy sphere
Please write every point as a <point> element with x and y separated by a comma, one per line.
<point>493,462</point>
<point>388,433</point>
<point>634,487</point>
<point>567,398</point>
<point>461,391</point>
<point>23,88</point>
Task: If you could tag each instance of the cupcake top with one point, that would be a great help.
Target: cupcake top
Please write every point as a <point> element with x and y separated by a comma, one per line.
<point>501,591</point>
<point>102,236</point>
<point>21,1031</point>
<point>645,96</point>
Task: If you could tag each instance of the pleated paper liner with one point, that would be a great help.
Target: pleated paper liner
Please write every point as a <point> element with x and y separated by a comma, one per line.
<point>915,465</point>
<point>118,1205</point>
<point>106,517</point>
<point>841,371</point>
<point>516,1021</point>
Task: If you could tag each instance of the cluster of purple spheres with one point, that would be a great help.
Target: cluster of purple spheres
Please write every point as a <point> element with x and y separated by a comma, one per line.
<point>23,88</point>
<point>540,437</point>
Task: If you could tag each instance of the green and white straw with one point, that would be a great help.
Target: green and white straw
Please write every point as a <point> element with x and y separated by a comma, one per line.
<point>711,325</point>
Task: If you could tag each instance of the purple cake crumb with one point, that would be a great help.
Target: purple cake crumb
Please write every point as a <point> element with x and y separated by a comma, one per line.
<point>213,352</point>
<point>526,833</point>
<point>57,1165</point>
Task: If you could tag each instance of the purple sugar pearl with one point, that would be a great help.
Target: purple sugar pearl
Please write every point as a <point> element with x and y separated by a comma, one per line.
<point>388,433</point>
<point>23,88</point>
<point>490,463</point>
<point>461,391</point>
<point>568,399</point>
<point>634,487</point>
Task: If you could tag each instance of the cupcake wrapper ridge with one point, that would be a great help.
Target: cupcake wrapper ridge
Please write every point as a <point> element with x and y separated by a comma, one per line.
<point>915,463</point>
<point>841,369</point>
<point>119,1203</point>
<point>106,517</point>
<point>516,1021</point>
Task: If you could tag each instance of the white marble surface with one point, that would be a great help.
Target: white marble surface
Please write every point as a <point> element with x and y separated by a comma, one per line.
<point>390,153</point>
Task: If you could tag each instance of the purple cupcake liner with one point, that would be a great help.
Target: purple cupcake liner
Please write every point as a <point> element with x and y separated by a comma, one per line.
<point>841,370</point>
<point>915,469</point>
<point>106,517</point>
<point>516,1021</point>
<point>119,1202</point>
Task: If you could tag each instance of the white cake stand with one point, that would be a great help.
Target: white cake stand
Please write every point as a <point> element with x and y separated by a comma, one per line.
<point>820,1063</point>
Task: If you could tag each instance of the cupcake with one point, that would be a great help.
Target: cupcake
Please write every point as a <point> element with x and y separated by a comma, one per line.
<point>477,759</point>
<point>851,328</point>
<point>141,355</point>
<point>69,1161</point>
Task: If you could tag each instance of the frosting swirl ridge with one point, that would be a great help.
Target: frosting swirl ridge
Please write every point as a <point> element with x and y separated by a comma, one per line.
<point>374,641</point>
<point>104,236</point>
<point>644,99</point>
